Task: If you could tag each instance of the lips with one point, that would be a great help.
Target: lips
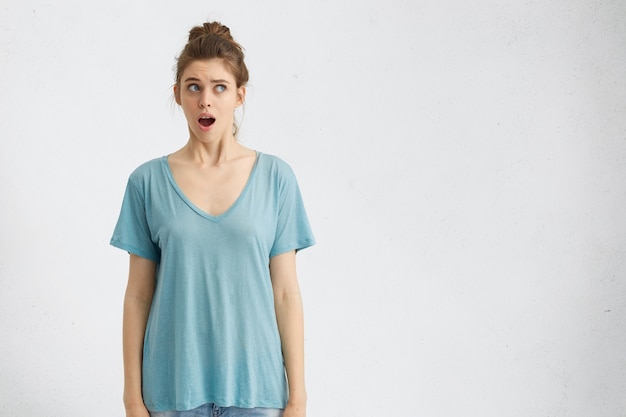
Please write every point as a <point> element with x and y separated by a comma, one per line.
<point>206,121</point>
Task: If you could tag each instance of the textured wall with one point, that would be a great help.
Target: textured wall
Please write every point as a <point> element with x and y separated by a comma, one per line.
<point>462,163</point>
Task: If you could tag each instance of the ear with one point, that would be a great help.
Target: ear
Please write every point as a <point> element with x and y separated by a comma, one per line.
<point>241,95</point>
<point>177,94</point>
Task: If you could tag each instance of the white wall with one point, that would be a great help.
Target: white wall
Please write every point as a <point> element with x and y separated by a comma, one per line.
<point>463,164</point>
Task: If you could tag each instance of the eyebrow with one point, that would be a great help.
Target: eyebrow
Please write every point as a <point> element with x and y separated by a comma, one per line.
<point>194,79</point>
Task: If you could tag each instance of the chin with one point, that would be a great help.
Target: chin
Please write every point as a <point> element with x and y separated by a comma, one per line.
<point>208,137</point>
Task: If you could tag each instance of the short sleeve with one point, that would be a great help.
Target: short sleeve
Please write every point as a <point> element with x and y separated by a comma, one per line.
<point>293,231</point>
<point>132,232</point>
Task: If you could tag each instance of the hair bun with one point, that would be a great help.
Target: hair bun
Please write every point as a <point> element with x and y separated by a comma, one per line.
<point>211,28</point>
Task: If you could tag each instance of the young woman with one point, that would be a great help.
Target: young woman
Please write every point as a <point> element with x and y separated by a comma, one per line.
<point>212,314</point>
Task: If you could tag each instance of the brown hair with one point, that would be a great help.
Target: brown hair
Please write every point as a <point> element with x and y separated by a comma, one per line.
<point>213,40</point>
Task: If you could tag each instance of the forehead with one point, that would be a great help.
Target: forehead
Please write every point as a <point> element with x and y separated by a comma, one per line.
<point>208,69</point>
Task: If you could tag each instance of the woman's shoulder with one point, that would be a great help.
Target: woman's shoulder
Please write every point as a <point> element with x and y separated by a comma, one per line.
<point>148,170</point>
<point>275,164</point>
<point>148,167</point>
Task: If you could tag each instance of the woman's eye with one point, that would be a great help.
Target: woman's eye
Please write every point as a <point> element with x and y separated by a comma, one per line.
<point>220,88</point>
<point>193,87</point>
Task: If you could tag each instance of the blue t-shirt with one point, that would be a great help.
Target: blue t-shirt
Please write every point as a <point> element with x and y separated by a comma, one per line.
<point>212,335</point>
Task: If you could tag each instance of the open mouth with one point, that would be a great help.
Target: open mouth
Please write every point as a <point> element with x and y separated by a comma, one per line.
<point>206,121</point>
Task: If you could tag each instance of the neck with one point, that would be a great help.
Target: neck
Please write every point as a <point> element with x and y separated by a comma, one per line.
<point>211,153</point>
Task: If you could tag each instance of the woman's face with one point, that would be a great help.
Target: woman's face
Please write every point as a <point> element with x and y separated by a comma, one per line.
<point>208,94</point>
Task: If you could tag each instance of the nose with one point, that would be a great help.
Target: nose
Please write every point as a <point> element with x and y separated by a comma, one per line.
<point>205,101</point>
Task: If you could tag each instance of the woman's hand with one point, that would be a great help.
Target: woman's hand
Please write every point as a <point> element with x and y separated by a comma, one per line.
<point>295,410</point>
<point>289,315</point>
<point>137,411</point>
<point>137,302</point>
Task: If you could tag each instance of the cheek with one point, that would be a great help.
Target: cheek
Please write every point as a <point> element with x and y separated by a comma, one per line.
<point>187,102</point>
<point>189,110</point>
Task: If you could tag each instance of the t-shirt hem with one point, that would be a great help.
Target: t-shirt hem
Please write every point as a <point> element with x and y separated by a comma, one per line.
<point>193,405</point>
<point>133,249</point>
<point>297,247</point>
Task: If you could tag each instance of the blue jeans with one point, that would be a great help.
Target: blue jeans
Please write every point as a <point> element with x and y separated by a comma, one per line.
<point>212,410</point>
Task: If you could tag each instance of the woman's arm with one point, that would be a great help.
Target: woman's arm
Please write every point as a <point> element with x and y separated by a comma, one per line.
<point>289,315</point>
<point>137,302</point>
